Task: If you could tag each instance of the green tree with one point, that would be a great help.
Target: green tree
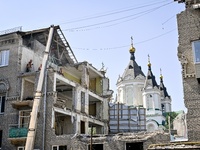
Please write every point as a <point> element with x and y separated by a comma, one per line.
<point>172,116</point>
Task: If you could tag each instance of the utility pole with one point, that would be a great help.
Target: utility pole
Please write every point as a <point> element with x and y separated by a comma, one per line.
<point>169,123</point>
<point>91,137</point>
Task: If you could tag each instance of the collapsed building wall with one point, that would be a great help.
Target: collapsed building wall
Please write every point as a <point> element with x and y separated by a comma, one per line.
<point>74,97</point>
<point>121,141</point>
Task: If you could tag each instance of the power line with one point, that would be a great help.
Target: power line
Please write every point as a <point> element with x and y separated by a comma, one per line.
<point>123,46</point>
<point>105,22</point>
<point>156,37</point>
<point>112,13</point>
<point>170,18</point>
<point>87,29</point>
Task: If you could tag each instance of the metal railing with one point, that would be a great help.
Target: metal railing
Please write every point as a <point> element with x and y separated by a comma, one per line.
<point>12,30</point>
<point>18,131</point>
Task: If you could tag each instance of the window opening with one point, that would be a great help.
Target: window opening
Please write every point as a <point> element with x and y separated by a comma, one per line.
<point>96,147</point>
<point>138,146</point>
<point>4,58</point>
<point>57,147</point>
<point>2,104</point>
<point>82,127</point>
<point>82,102</point>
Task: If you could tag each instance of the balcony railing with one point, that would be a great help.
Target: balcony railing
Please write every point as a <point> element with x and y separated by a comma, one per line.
<point>16,131</point>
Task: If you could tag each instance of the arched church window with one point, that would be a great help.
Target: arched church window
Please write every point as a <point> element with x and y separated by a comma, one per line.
<point>3,90</point>
<point>2,87</point>
<point>149,102</point>
<point>163,108</point>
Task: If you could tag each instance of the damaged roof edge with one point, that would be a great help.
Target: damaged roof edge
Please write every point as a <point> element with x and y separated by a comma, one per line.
<point>90,66</point>
<point>59,32</point>
<point>62,37</point>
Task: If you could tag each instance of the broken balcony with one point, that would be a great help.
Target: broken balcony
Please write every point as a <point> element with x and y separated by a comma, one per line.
<point>27,92</point>
<point>17,134</point>
<point>64,93</point>
<point>64,124</point>
<point>96,128</point>
<point>95,106</point>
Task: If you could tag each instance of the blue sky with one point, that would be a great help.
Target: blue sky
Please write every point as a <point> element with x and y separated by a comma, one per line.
<point>100,31</point>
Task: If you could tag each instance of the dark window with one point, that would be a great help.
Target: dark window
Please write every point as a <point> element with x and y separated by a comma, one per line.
<point>82,127</point>
<point>56,147</point>
<point>1,134</point>
<point>134,146</point>
<point>96,147</point>
<point>2,104</point>
<point>63,147</point>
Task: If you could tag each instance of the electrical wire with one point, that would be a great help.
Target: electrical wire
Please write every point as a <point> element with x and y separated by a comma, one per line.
<point>105,22</point>
<point>112,13</point>
<point>123,46</point>
<point>78,29</point>
<point>99,27</point>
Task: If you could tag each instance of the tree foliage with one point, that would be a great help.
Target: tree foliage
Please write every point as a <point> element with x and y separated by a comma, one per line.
<point>172,116</point>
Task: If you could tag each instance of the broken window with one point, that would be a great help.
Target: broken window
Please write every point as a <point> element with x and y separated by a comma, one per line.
<point>4,58</point>
<point>2,104</point>
<point>95,107</point>
<point>82,127</point>
<point>57,147</point>
<point>96,147</point>
<point>1,137</point>
<point>92,109</point>
<point>24,118</point>
<point>63,124</point>
<point>65,96</point>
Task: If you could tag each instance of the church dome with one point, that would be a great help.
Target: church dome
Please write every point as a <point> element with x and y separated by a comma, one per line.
<point>132,49</point>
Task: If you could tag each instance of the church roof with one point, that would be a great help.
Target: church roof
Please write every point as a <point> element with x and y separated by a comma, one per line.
<point>150,78</point>
<point>133,69</point>
<point>162,88</point>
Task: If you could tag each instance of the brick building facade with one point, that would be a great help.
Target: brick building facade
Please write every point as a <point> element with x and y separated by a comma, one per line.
<point>189,57</point>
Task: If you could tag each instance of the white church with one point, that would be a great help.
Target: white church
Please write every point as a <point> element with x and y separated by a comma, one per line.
<point>137,90</point>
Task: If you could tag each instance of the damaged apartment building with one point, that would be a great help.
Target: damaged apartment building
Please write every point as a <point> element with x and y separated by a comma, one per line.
<point>47,97</point>
<point>50,101</point>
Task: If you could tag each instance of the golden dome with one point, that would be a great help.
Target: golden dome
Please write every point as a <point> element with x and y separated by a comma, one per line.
<point>132,49</point>
<point>149,64</point>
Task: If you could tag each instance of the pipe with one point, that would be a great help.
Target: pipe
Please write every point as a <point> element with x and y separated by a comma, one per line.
<point>44,108</point>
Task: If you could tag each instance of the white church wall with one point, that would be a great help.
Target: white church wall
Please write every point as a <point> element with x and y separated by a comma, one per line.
<point>129,92</point>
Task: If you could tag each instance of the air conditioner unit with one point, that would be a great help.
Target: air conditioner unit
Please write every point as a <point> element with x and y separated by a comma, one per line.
<point>21,148</point>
